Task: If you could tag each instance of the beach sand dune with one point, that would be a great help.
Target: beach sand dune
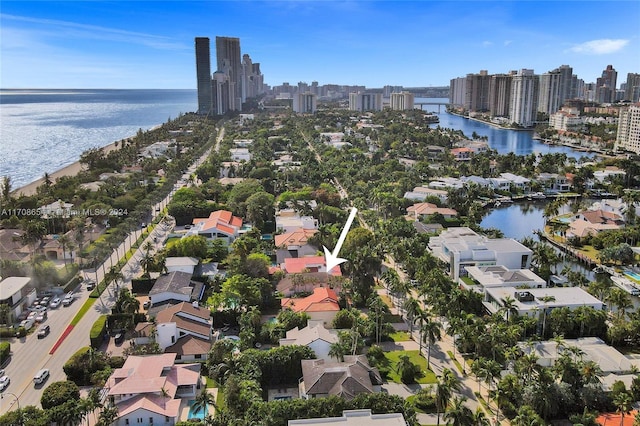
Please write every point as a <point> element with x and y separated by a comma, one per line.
<point>71,170</point>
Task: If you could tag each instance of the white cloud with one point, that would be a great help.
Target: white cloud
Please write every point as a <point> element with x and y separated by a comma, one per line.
<point>507,42</point>
<point>486,43</point>
<point>599,47</point>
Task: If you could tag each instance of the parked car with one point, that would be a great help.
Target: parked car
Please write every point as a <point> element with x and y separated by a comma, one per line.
<point>55,302</point>
<point>41,376</point>
<point>68,300</point>
<point>27,324</point>
<point>41,317</point>
<point>44,331</point>
<point>119,338</point>
<point>4,382</point>
<point>146,304</point>
<point>45,301</point>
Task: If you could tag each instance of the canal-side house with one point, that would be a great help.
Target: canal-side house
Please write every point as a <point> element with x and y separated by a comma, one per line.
<point>420,210</point>
<point>592,222</point>
<point>460,247</point>
<point>553,182</point>
<point>481,278</point>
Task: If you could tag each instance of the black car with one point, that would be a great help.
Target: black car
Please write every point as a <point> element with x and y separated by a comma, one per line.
<point>119,338</point>
<point>44,331</point>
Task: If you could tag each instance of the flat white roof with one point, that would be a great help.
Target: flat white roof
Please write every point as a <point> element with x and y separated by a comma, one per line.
<point>11,285</point>
<point>356,418</point>
<point>564,296</point>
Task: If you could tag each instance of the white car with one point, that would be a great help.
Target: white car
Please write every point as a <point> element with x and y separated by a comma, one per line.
<point>55,303</point>
<point>4,382</point>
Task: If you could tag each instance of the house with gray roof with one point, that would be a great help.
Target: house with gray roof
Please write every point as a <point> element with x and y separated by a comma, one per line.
<point>175,287</point>
<point>355,418</point>
<point>322,378</point>
<point>313,335</point>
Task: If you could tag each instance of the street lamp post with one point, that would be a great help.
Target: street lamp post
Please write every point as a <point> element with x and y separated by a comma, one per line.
<point>17,401</point>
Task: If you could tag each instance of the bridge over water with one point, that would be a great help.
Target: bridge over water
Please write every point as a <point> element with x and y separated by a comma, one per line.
<point>422,104</point>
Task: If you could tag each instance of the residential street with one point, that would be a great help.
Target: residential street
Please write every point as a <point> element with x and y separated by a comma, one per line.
<point>31,354</point>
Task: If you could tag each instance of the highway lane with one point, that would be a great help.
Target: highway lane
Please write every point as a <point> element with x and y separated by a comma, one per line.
<point>30,354</point>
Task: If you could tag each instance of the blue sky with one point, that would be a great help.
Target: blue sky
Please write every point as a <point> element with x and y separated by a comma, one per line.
<point>150,44</point>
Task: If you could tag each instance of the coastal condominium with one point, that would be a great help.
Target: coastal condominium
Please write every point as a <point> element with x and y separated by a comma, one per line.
<point>606,86</point>
<point>500,94</point>
<point>628,138</point>
<point>304,103</point>
<point>632,88</point>
<point>203,75</point>
<point>229,62</point>
<point>524,98</point>
<point>402,101</point>
<point>555,88</point>
<point>365,101</point>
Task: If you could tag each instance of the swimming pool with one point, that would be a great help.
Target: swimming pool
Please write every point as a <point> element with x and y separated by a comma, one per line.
<point>196,412</point>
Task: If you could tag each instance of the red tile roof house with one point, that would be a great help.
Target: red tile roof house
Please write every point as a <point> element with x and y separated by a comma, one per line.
<point>221,224</point>
<point>322,305</point>
<point>294,244</point>
<point>185,329</point>
<point>462,154</point>
<point>427,209</point>
<point>152,389</point>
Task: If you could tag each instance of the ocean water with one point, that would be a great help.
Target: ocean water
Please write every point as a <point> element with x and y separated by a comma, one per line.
<point>42,131</point>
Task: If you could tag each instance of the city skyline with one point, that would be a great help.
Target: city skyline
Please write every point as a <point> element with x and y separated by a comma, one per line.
<point>412,44</point>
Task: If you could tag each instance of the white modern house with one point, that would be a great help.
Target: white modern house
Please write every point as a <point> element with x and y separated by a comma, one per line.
<point>461,247</point>
<point>534,302</point>
<point>17,294</point>
<point>289,220</point>
<point>485,277</point>
<point>355,418</point>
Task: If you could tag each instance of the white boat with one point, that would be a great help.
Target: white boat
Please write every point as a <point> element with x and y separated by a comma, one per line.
<point>625,285</point>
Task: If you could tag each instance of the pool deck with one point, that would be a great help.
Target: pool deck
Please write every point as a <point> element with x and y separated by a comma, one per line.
<point>184,405</point>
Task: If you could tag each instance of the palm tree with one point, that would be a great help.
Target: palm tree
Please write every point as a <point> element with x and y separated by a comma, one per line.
<point>459,414</point>
<point>108,415</point>
<point>430,332</point>
<point>412,308</point>
<point>406,369</point>
<point>480,418</point>
<point>203,400</point>
<point>509,306</point>
<point>527,417</point>
<point>446,384</point>
<point>621,300</point>
<point>337,351</point>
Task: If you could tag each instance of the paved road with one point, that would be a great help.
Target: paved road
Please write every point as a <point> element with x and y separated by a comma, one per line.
<point>30,354</point>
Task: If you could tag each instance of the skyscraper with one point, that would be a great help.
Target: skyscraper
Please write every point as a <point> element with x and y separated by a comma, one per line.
<point>555,88</point>
<point>628,138</point>
<point>500,94</point>
<point>402,101</point>
<point>477,92</point>
<point>365,101</point>
<point>606,86</point>
<point>203,75</point>
<point>632,90</point>
<point>524,93</point>
<point>228,61</point>
<point>304,103</point>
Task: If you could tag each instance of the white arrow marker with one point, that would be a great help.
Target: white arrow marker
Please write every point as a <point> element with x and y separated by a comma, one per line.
<point>332,259</point>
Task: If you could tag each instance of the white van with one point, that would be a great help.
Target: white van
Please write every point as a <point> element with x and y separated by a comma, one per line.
<point>41,376</point>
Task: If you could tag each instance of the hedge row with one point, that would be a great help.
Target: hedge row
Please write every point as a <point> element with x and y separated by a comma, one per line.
<point>98,331</point>
<point>5,351</point>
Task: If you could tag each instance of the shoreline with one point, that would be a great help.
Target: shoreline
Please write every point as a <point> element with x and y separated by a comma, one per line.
<point>488,123</point>
<point>71,170</point>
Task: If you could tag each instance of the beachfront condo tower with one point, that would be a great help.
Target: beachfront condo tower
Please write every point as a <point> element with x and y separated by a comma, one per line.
<point>203,74</point>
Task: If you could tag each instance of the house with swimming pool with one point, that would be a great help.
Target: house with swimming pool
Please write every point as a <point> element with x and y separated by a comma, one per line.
<point>153,390</point>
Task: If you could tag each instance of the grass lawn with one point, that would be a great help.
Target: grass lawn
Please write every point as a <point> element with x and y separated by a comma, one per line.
<point>387,300</point>
<point>393,358</point>
<point>399,336</point>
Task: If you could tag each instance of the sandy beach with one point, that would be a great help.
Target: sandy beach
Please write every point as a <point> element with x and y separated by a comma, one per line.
<point>70,170</point>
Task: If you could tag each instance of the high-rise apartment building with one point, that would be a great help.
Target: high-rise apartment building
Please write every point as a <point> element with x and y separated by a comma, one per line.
<point>632,88</point>
<point>500,94</point>
<point>628,138</point>
<point>524,93</point>
<point>228,61</point>
<point>457,91</point>
<point>402,101</point>
<point>606,86</point>
<point>203,75</point>
<point>555,87</point>
<point>362,101</point>
<point>304,103</point>
<point>476,97</point>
